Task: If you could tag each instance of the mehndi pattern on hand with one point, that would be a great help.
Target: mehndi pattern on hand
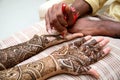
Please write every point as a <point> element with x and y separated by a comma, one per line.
<point>13,55</point>
<point>76,57</point>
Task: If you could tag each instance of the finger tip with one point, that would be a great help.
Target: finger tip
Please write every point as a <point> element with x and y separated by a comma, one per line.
<point>99,39</point>
<point>80,34</point>
<point>94,73</point>
<point>107,40</point>
<point>88,37</point>
<point>107,50</point>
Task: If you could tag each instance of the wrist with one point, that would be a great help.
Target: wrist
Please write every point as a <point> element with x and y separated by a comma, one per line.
<point>111,28</point>
<point>81,7</point>
<point>51,67</point>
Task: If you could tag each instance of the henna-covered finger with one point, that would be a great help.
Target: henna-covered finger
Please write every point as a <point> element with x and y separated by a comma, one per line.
<point>90,48</point>
<point>94,51</point>
<point>104,42</point>
<point>95,41</point>
<point>59,39</point>
<point>97,56</point>
<point>107,50</point>
<point>103,53</point>
<point>100,45</point>
<point>82,41</point>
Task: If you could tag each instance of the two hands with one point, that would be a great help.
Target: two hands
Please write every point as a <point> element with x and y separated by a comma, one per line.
<point>73,58</point>
<point>76,57</point>
<point>64,22</point>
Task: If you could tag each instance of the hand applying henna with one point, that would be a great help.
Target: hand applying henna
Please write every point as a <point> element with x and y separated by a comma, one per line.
<point>60,16</point>
<point>74,58</point>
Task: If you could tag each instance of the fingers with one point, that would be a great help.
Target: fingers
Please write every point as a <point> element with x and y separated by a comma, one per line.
<point>58,39</point>
<point>61,17</point>
<point>94,46</point>
<point>93,49</point>
<point>81,41</point>
<point>95,41</point>
<point>102,53</point>
<point>55,18</point>
<point>58,19</point>
<point>101,44</point>
<point>106,51</point>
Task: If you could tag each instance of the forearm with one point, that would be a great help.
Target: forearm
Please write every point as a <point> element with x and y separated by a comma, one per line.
<point>39,70</point>
<point>73,58</point>
<point>13,55</point>
<point>82,7</point>
<point>109,28</point>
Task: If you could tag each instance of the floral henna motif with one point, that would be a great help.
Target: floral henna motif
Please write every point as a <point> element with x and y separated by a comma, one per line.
<point>72,59</point>
<point>76,57</point>
<point>39,69</point>
<point>13,55</point>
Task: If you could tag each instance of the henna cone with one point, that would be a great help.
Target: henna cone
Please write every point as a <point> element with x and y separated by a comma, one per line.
<point>13,55</point>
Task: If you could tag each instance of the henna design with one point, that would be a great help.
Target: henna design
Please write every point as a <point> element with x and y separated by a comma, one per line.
<point>68,59</point>
<point>76,58</point>
<point>13,55</point>
<point>32,71</point>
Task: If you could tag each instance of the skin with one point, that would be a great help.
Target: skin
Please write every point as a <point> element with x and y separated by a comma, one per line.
<point>83,25</point>
<point>92,27</point>
<point>51,65</point>
<point>55,17</point>
<point>13,55</point>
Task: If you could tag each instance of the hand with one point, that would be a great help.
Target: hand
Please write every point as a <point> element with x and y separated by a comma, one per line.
<point>76,57</point>
<point>88,27</point>
<point>55,18</point>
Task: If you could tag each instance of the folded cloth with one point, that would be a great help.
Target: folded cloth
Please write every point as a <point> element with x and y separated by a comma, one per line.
<point>108,68</point>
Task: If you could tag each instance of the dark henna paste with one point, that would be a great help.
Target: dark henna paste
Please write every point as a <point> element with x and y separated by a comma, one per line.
<point>74,58</point>
<point>13,55</point>
<point>68,59</point>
